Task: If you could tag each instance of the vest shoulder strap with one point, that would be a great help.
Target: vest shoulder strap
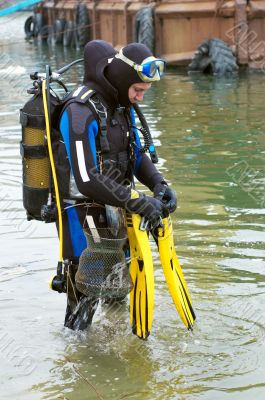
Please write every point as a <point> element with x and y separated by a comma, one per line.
<point>84,95</point>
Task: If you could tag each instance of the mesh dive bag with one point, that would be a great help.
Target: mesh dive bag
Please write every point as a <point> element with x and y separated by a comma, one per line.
<point>103,268</point>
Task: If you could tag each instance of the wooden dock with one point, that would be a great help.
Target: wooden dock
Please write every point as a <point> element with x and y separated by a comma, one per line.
<point>179,26</point>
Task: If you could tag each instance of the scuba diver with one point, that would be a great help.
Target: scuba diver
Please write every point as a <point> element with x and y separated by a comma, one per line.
<point>80,156</point>
<point>101,153</point>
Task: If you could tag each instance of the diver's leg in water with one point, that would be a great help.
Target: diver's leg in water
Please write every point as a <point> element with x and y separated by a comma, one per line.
<point>73,296</point>
<point>82,316</point>
<point>80,309</point>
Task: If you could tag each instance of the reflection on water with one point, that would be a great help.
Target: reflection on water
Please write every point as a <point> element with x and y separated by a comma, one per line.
<point>210,138</point>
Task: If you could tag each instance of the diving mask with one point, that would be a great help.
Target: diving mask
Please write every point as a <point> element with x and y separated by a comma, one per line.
<point>151,69</point>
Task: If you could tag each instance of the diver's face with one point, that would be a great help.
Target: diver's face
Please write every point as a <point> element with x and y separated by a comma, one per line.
<point>137,90</point>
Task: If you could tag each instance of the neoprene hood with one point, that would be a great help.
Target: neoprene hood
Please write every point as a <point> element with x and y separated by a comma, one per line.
<point>122,75</point>
<point>110,76</point>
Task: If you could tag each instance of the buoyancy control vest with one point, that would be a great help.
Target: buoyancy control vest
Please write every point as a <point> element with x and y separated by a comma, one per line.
<point>115,142</point>
<point>38,181</point>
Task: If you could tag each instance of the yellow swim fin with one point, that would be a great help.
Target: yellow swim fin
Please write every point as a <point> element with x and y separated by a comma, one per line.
<point>142,275</point>
<point>173,273</point>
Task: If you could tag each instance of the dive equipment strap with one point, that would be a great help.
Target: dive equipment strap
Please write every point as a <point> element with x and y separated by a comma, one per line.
<point>102,116</point>
<point>84,95</point>
<point>27,119</point>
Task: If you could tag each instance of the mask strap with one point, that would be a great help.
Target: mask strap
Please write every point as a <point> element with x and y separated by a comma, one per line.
<point>125,59</point>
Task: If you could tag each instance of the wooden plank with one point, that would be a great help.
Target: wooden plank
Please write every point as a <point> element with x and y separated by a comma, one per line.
<point>189,33</point>
<point>188,1</point>
<point>105,26</point>
<point>256,9</point>
<point>128,24</point>
<point>191,1</point>
<point>178,58</point>
<point>158,35</point>
<point>48,4</point>
<point>66,4</point>
<point>227,25</point>
<point>134,7</point>
<point>203,29</point>
<point>95,22</point>
<point>239,32</point>
<point>186,8</point>
<point>119,37</point>
<point>182,35</point>
<point>104,7</point>
<point>256,43</point>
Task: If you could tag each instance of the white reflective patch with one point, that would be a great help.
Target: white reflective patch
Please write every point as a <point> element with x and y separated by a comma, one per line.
<point>81,161</point>
<point>86,94</point>
<point>93,229</point>
<point>77,91</point>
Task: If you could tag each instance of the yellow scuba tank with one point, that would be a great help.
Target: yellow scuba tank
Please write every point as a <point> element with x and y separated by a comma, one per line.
<point>38,179</point>
<point>35,158</point>
<point>39,119</point>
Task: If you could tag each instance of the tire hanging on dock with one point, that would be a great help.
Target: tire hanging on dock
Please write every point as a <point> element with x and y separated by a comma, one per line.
<point>68,35</point>
<point>33,26</point>
<point>58,31</point>
<point>215,57</point>
<point>29,27</point>
<point>50,40</point>
<point>82,25</point>
<point>144,27</point>
<point>38,24</point>
<point>44,32</point>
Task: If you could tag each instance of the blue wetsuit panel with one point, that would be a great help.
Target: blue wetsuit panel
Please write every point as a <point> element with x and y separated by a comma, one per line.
<point>64,128</point>
<point>77,236</point>
<point>92,133</point>
<point>137,142</point>
<point>76,232</point>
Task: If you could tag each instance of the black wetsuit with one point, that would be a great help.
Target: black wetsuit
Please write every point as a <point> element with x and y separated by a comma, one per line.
<point>80,130</point>
<point>95,177</point>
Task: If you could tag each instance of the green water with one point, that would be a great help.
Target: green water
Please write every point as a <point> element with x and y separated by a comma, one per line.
<point>210,138</point>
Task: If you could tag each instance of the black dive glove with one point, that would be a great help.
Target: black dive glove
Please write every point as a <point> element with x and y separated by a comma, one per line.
<point>166,195</point>
<point>148,207</point>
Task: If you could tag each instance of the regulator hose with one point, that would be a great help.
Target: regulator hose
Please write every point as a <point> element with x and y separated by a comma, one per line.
<point>148,141</point>
<point>45,92</point>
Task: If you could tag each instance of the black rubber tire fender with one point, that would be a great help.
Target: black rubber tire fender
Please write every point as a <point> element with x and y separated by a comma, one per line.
<point>50,35</point>
<point>82,24</point>
<point>75,41</point>
<point>223,59</point>
<point>29,27</point>
<point>68,34</point>
<point>144,27</point>
<point>214,56</point>
<point>44,32</point>
<point>38,19</point>
<point>58,30</point>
